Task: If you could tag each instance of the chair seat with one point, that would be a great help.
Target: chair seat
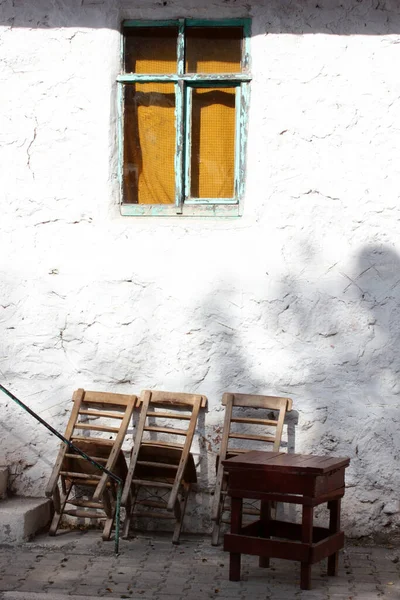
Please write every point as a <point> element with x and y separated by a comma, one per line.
<point>167,456</point>
<point>96,449</point>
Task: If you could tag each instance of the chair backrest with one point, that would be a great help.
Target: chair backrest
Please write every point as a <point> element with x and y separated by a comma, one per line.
<point>174,406</point>
<point>265,429</point>
<point>97,425</point>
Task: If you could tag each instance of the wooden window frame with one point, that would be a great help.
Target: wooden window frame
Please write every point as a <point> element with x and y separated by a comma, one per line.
<point>185,205</point>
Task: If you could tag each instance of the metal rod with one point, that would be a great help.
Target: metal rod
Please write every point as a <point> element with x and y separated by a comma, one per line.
<point>77,450</point>
<point>117,521</point>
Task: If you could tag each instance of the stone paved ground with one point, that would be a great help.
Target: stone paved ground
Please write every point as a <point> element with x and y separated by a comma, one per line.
<point>81,565</point>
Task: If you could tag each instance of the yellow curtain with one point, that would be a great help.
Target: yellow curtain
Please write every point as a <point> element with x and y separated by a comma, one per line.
<point>149,140</point>
<point>213,143</point>
<point>214,49</point>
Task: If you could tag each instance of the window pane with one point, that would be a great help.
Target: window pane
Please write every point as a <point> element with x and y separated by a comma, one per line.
<point>213,143</point>
<point>214,49</point>
<point>150,49</point>
<point>149,143</point>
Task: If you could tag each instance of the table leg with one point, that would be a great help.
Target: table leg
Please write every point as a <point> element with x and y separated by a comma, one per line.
<point>236,526</point>
<point>334,527</point>
<point>306,538</point>
<point>265,518</point>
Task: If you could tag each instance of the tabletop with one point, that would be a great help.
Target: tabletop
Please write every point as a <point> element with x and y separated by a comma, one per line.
<point>286,463</point>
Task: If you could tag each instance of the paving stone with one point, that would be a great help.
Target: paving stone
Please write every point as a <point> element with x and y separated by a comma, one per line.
<point>80,567</point>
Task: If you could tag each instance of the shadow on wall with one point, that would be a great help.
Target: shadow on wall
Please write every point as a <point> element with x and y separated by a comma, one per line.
<point>278,16</point>
<point>351,340</point>
<point>364,417</point>
<point>335,349</point>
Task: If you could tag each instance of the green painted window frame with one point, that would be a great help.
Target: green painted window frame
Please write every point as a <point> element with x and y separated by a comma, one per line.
<point>184,83</point>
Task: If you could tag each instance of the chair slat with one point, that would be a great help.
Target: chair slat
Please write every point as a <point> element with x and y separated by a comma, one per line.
<point>91,427</point>
<point>248,436</point>
<point>168,415</point>
<point>88,503</point>
<point>101,413</point>
<point>98,459</point>
<point>150,482</point>
<point>75,475</point>
<point>176,399</point>
<point>86,514</point>
<point>258,401</point>
<point>149,463</point>
<point>107,398</point>
<point>92,440</point>
<point>238,451</point>
<point>254,421</point>
<point>165,430</point>
<point>162,443</point>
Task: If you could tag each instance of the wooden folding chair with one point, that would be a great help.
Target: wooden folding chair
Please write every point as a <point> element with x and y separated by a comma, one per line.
<point>97,426</point>
<point>159,462</point>
<point>237,407</point>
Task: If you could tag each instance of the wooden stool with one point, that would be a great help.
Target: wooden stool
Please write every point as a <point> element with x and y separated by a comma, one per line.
<point>294,478</point>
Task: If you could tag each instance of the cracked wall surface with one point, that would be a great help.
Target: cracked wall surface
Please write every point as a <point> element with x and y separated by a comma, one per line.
<point>299,297</point>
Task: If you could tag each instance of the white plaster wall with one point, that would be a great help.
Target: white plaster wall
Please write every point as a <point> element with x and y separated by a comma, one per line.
<point>298,297</point>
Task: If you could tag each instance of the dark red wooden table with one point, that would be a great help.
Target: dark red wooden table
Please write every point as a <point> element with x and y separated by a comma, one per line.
<point>302,479</point>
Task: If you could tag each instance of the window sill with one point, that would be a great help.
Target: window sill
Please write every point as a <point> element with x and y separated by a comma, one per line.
<point>170,210</point>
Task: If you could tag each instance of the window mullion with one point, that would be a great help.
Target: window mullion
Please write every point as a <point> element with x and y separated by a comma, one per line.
<point>188,140</point>
<point>179,148</point>
<point>181,48</point>
<point>146,78</point>
<point>243,111</point>
<point>238,120</point>
<point>217,78</point>
<point>121,116</point>
<point>246,45</point>
<point>179,119</point>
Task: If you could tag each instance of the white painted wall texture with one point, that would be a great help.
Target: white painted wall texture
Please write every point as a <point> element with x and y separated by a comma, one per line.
<point>299,297</point>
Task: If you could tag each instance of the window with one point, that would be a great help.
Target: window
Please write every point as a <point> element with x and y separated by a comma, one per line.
<point>183,100</point>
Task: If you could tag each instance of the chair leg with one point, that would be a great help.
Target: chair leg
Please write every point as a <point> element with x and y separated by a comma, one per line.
<point>129,508</point>
<point>306,538</point>
<point>59,501</point>
<point>334,527</point>
<point>215,534</point>
<point>265,519</point>
<point>108,527</point>
<point>109,509</point>
<point>127,523</point>
<point>218,513</point>
<point>236,525</point>
<point>180,508</point>
<point>219,487</point>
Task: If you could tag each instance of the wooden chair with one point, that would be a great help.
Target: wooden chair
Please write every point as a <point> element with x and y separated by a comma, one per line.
<point>97,426</point>
<point>274,409</point>
<point>159,461</point>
